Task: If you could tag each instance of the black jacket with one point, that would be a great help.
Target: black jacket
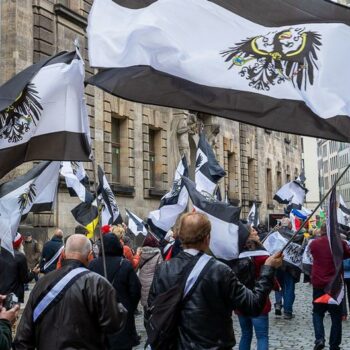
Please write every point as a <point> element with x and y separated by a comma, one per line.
<point>206,318</point>
<point>5,335</point>
<point>87,311</point>
<point>13,273</point>
<point>128,287</point>
<point>50,249</point>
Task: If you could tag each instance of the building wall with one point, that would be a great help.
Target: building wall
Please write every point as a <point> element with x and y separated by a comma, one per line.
<point>257,161</point>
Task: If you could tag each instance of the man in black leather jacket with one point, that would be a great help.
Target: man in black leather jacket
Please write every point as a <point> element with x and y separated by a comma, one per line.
<point>84,314</point>
<point>206,318</point>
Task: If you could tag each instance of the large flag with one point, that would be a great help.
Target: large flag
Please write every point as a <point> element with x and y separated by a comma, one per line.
<point>43,113</point>
<point>292,193</point>
<point>224,240</point>
<point>343,215</point>
<point>77,181</point>
<point>335,289</point>
<point>208,170</point>
<point>86,214</point>
<point>253,216</point>
<point>110,213</point>
<point>172,204</point>
<point>276,64</point>
<point>135,224</point>
<point>34,191</point>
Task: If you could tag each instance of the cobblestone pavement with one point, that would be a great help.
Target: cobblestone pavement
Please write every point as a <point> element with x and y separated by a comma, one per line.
<point>286,334</point>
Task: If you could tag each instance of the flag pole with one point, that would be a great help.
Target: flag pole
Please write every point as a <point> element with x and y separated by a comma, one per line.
<point>99,215</point>
<point>317,207</point>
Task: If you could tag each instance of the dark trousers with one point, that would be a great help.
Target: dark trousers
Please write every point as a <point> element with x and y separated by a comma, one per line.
<point>287,282</point>
<point>318,313</point>
<point>347,287</point>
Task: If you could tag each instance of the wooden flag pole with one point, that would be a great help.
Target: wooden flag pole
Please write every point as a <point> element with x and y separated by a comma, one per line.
<point>99,215</point>
<point>317,207</point>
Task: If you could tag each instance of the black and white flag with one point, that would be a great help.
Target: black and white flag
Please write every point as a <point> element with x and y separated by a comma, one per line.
<point>43,113</point>
<point>293,193</point>
<point>110,213</point>
<point>35,191</point>
<point>172,204</point>
<point>253,216</point>
<point>343,214</point>
<point>208,170</point>
<point>77,181</point>
<point>224,218</point>
<point>135,224</point>
<point>276,64</point>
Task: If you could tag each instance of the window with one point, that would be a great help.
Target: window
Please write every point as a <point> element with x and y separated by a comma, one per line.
<point>268,185</point>
<point>152,158</point>
<point>325,166</point>
<point>232,175</point>
<point>326,184</point>
<point>279,180</point>
<point>325,150</point>
<point>251,179</point>
<point>116,150</point>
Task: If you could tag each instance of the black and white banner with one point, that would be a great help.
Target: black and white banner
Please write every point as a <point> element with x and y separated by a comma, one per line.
<point>224,218</point>
<point>172,204</point>
<point>110,213</point>
<point>43,114</point>
<point>293,254</point>
<point>253,216</point>
<point>343,214</point>
<point>276,64</point>
<point>77,180</point>
<point>33,192</point>
<point>135,224</point>
<point>208,170</point>
<point>293,193</point>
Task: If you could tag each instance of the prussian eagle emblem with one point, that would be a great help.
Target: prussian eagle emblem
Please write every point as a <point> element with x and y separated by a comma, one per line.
<point>27,197</point>
<point>279,56</point>
<point>18,118</point>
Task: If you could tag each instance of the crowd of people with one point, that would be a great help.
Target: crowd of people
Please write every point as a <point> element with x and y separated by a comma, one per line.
<point>82,300</point>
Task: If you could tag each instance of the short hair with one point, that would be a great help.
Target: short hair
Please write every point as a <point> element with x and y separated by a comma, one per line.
<point>78,243</point>
<point>285,222</point>
<point>79,229</point>
<point>194,227</point>
<point>119,231</point>
<point>323,229</point>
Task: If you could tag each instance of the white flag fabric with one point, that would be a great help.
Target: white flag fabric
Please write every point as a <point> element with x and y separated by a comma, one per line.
<point>343,212</point>
<point>110,213</point>
<point>171,205</point>
<point>253,216</point>
<point>33,192</point>
<point>219,46</point>
<point>48,118</point>
<point>208,170</point>
<point>77,180</point>
<point>293,193</point>
<point>135,224</point>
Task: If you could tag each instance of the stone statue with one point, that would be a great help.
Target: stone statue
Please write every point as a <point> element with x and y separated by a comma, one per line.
<point>213,137</point>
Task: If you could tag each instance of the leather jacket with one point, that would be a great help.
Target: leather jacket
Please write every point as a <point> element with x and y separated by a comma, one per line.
<point>80,320</point>
<point>206,318</point>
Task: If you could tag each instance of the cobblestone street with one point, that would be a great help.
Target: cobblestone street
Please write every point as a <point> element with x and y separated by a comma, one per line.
<point>287,334</point>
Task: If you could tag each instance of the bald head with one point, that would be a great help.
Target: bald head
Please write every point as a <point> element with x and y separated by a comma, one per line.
<point>78,247</point>
<point>58,233</point>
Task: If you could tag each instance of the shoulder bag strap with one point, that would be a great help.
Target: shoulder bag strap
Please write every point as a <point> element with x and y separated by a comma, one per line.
<point>117,272</point>
<point>54,258</point>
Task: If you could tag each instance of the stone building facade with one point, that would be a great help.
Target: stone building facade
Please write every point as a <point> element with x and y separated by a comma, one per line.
<point>139,145</point>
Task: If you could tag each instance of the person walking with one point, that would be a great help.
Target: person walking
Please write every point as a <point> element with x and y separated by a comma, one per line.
<point>51,252</point>
<point>70,308</point>
<point>205,320</point>
<point>32,251</point>
<point>252,259</point>
<point>151,257</point>
<point>322,272</point>
<point>123,278</point>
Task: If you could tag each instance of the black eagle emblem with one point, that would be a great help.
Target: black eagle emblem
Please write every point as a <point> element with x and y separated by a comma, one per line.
<point>286,55</point>
<point>27,197</point>
<point>111,199</point>
<point>18,118</point>
<point>75,167</point>
<point>199,160</point>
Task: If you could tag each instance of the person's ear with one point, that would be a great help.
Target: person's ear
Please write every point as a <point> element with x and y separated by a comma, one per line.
<point>90,256</point>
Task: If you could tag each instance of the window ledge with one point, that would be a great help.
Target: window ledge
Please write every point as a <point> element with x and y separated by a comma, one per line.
<point>156,193</point>
<point>123,190</point>
<point>270,206</point>
<point>70,15</point>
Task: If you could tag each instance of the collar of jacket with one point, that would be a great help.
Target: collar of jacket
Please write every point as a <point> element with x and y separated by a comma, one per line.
<point>56,239</point>
<point>72,263</point>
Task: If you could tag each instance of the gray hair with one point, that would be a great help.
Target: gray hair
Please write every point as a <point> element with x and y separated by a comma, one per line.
<point>78,244</point>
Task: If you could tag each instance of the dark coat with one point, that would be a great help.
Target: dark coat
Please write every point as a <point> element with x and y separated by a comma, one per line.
<point>13,273</point>
<point>50,249</point>
<point>5,335</point>
<point>87,312</point>
<point>206,318</point>
<point>127,285</point>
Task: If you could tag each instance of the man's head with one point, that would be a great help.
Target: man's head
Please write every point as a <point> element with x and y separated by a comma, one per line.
<point>194,231</point>
<point>285,222</point>
<point>27,237</point>
<point>119,231</point>
<point>81,230</point>
<point>323,229</point>
<point>78,247</point>
<point>58,233</point>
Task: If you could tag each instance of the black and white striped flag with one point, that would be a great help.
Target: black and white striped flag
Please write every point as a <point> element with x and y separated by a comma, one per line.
<point>292,193</point>
<point>172,204</point>
<point>110,213</point>
<point>224,218</point>
<point>253,216</point>
<point>278,64</point>
<point>77,181</point>
<point>135,224</point>
<point>43,113</point>
<point>208,170</point>
<point>33,192</point>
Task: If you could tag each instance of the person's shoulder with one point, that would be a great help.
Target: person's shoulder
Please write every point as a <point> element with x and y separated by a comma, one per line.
<point>19,256</point>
